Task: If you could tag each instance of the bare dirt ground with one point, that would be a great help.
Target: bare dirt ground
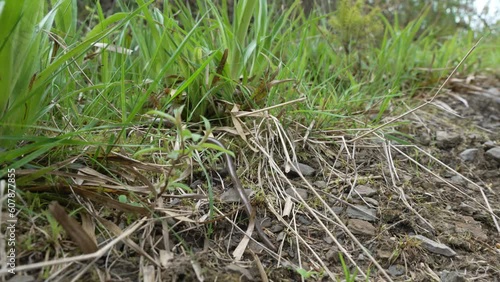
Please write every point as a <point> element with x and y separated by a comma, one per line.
<point>424,207</point>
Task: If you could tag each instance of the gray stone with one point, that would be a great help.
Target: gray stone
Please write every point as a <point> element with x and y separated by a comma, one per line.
<point>469,155</point>
<point>453,276</point>
<point>232,196</point>
<point>457,179</point>
<point>361,227</point>
<point>306,170</point>
<point>332,254</point>
<point>494,153</point>
<point>384,254</point>
<point>424,139</point>
<point>337,209</point>
<point>281,236</point>
<point>396,270</point>
<point>266,222</point>
<point>466,209</point>
<point>320,184</point>
<point>302,192</point>
<point>303,220</point>
<point>364,190</point>
<point>445,140</point>
<point>435,247</point>
<point>494,91</point>
<point>371,201</point>
<point>473,137</point>
<point>277,228</point>
<point>362,212</point>
<point>328,240</point>
<point>255,247</point>
<point>489,144</point>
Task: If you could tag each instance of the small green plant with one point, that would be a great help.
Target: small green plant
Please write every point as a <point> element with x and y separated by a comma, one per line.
<point>308,274</point>
<point>405,245</point>
<point>349,277</point>
<point>55,228</point>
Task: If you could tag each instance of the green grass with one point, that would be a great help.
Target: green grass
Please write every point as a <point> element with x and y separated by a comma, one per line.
<point>61,95</point>
<point>67,85</point>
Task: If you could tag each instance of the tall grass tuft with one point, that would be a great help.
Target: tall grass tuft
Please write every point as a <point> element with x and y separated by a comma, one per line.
<point>22,36</point>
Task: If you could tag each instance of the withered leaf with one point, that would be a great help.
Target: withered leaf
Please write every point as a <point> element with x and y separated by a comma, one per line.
<point>73,228</point>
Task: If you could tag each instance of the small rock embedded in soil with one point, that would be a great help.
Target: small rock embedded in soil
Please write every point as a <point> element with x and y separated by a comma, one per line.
<point>457,179</point>
<point>447,276</point>
<point>280,236</point>
<point>337,210</point>
<point>424,139</point>
<point>494,91</point>
<point>300,191</point>
<point>267,222</point>
<point>489,144</point>
<point>469,155</point>
<point>494,153</point>
<point>445,140</point>
<point>332,254</point>
<point>304,220</point>
<point>232,196</point>
<point>364,191</point>
<point>396,270</point>
<point>384,254</point>
<point>371,201</point>
<point>328,240</point>
<point>362,212</point>
<point>466,209</point>
<point>277,228</point>
<point>255,247</point>
<point>306,170</point>
<point>475,138</point>
<point>320,184</point>
<point>360,227</point>
<point>435,247</point>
